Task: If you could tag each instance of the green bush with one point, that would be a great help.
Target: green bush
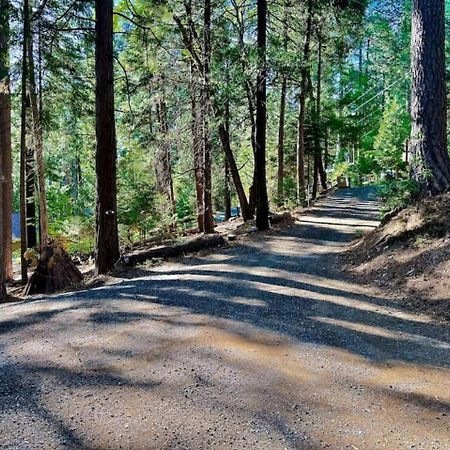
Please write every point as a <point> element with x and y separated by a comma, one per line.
<point>397,193</point>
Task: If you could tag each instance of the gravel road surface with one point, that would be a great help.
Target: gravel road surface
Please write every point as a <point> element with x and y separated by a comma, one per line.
<point>267,345</point>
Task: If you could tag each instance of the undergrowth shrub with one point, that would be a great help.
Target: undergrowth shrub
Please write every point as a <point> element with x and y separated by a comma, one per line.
<point>397,194</point>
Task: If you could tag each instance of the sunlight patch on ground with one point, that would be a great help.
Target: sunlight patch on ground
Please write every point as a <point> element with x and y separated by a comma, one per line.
<point>383,332</point>
<point>338,292</point>
<point>345,223</point>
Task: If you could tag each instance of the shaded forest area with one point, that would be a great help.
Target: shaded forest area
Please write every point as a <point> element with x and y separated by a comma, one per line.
<point>121,121</point>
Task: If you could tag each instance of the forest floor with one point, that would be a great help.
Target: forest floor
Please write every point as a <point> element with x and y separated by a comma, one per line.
<point>265,345</point>
<point>409,257</point>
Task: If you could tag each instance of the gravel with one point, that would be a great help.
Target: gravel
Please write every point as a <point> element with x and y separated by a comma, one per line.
<point>266,345</point>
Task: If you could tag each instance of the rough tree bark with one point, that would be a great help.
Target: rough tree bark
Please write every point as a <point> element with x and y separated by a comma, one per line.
<point>2,244</point>
<point>280,181</point>
<point>431,164</point>
<point>301,183</point>
<point>107,237</point>
<point>5,141</point>
<point>23,144</point>
<point>38,147</point>
<point>319,170</point>
<point>29,161</point>
<point>227,191</point>
<point>208,219</point>
<point>30,182</point>
<point>262,201</point>
<point>5,150</point>
<point>30,173</point>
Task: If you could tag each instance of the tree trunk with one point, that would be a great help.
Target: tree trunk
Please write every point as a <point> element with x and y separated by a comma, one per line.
<point>3,220</point>
<point>319,170</point>
<point>281,124</point>
<point>326,156</point>
<point>225,139</point>
<point>172,251</point>
<point>230,162</point>
<point>280,186</point>
<point>249,91</point>
<point>431,164</point>
<point>251,108</point>
<point>195,119</point>
<point>227,191</point>
<point>38,148</point>
<point>23,144</point>
<point>301,184</point>
<point>29,161</point>
<point>5,144</point>
<point>30,183</point>
<point>208,220</point>
<point>163,161</point>
<point>196,150</point>
<point>5,149</point>
<point>107,237</point>
<point>262,201</point>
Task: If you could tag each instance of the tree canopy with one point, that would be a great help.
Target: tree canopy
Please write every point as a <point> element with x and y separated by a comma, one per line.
<point>212,105</point>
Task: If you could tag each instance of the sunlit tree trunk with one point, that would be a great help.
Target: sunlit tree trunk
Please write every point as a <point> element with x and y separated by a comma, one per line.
<point>431,165</point>
<point>5,148</point>
<point>107,237</point>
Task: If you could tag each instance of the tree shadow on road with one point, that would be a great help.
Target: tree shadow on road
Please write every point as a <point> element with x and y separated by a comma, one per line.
<point>263,293</point>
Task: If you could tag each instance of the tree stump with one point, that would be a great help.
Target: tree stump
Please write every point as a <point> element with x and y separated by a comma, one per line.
<point>55,271</point>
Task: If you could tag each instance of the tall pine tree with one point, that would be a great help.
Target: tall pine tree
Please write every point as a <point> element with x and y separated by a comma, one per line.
<point>429,97</point>
<point>107,236</point>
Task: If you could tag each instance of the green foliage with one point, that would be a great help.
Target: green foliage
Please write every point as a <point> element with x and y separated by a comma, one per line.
<point>185,207</point>
<point>138,204</point>
<point>397,193</point>
<point>76,234</point>
<point>364,92</point>
<point>389,143</point>
<point>341,169</point>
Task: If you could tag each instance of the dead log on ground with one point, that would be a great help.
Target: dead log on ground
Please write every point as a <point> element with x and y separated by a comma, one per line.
<point>172,251</point>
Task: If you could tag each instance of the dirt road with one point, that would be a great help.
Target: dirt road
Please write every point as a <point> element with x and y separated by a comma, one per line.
<point>267,345</point>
